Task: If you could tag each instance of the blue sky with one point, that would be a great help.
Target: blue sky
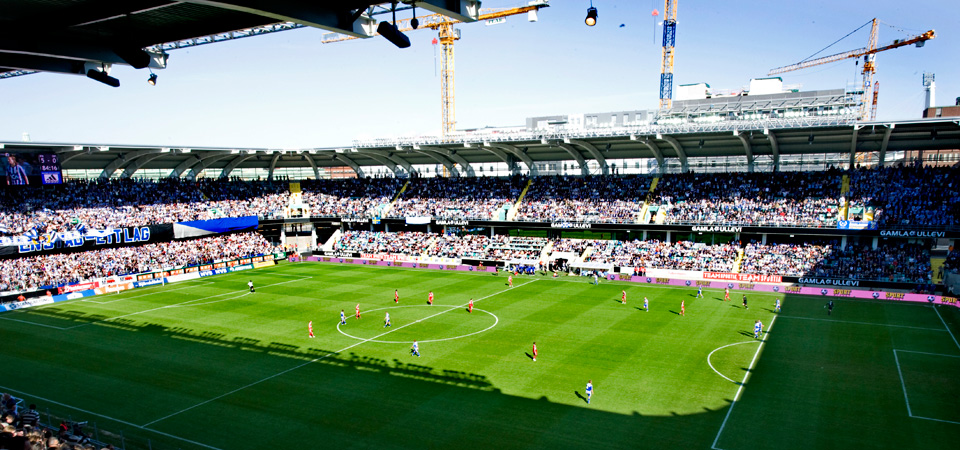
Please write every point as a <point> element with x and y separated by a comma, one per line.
<point>287,90</point>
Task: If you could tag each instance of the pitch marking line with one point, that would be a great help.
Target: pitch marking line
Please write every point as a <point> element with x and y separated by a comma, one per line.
<point>144,295</point>
<point>322,357</point>
<point>904,386</point>
<point>110,418</point>
<point>945,326</point>
<point>864,323</point>
<point>184,303</point>
<point>496,320</point>
<point>725,346</point>
<point>742,384</point>
<point>28,322</point>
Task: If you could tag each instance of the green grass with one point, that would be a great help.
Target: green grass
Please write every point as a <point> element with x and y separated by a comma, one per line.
<point>204,364</point>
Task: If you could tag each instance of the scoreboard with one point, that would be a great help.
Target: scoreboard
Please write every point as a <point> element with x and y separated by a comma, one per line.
<point>49,164</point>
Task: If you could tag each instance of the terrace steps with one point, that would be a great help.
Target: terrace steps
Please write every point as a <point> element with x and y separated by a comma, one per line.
<point>512,215</point>
<point>738,263</point>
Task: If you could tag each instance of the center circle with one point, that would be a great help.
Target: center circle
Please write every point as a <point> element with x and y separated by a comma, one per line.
<point>496,320</point>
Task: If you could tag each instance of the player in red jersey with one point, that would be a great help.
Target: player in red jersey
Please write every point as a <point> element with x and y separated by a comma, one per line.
<point>510,280</point>
<point>358,310</point>
<point>470,306</point>
<point>623,297</point>
<point>396,296</point>
<point>430,298</point>
<point>310,329</point>
<point>682,309</point>
<point>534,351</point>
<point>726,294</point>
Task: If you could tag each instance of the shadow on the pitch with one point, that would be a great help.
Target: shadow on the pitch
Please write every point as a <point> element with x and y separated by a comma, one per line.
<point>747,333</point>
<point>674,312</point>
<point>528,355</point>
<point>638,308</point>
<point>580,396</point>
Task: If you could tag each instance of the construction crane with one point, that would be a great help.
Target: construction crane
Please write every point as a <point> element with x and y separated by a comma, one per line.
<point>876,94</point>
<point>447,36</point>
<point>666,66</point>
<point>869,61</point>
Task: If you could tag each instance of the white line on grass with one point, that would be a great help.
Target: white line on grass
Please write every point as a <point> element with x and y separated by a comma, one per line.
<point>155,292</point>
<point>902,384</point>
<point>33,323</point>
<point>496,320</point>
<point>742,384</point>
<point>926,353</point>
<point>945,326</point>
<point>323,357</point>
<point>725,346</point>
<point>862,323</point>
<point>110,418</point>
<point>183,303</point>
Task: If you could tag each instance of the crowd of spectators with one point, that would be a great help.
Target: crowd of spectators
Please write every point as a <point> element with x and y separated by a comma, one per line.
<point>903,263</point>
<point>783,259</point>
<point>35,272</point>
<point>413,243</point>
<point>350,197</point>
<point>806,199</point>
<point>100,204</point>
<point>908,195</point>
<point>21,429</point>
<point>458,198</point>
<point>952,263</point>
<point>653,253</point>
<point>606,199</point>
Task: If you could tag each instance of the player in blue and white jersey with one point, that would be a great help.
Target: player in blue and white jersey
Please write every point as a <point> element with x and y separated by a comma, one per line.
<point>415,349</point>
<point>757,327</point>
<point>589,390</point>
<point>343,318</point>
<point>699,292</point>
<point>386,321</point>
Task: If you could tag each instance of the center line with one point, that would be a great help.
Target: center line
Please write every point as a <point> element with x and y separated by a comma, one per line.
<point>325,356</point>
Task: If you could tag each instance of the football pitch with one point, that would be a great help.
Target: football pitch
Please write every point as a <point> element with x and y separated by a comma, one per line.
<point>205,364</point>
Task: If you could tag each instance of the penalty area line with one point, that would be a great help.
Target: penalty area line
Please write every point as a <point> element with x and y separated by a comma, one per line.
<point>742,384</point>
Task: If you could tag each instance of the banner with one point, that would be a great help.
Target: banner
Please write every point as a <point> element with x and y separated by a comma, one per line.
<point>86,240</point>
<point>856,225</point>
<point>197,228</point>
<point>418,220</point>
<point>747,277</point>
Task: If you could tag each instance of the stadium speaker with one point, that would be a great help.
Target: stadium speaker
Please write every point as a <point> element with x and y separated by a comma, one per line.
<point>103,78</point>
<point>393,34</point>
<point>591,19</point>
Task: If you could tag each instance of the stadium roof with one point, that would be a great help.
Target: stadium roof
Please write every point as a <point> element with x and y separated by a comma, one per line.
<point>74,36</point>
<point>522,150</point>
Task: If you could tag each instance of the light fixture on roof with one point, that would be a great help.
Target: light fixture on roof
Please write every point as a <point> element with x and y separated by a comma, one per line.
<point>591,19</point>
<point>77,148</point>
<point>152,79</point>
<point>164,150</point>
<point>102,75</point>
<point>391,32</point>
<point>103,148</point>
<point>414,22</point>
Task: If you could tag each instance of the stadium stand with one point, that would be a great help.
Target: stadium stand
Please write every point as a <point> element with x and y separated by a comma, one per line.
<point>909,196</point>
<point>458,198</point>
<point>602,199</point>
<point>31,273</point>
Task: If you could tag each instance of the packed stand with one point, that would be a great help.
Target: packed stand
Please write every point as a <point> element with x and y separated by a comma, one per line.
<point>908,196</point>
<point>952,263</point>
<point>21,429</point>
<point>101,204</point>
<point>783,259</point>
<point>33,272</point>
<point>403,242</point>
<point>806,199</point>
<point>507,248</point>
<point>458,198</point>
<point>904,263</point>
<point>351,197</point>
<point>453,246</point>
<point>653,253</point>
<point>605,199</point>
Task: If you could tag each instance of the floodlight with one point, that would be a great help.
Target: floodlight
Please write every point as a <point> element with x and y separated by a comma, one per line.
<point>591,19</point>
<point>152,79</point>
<point>102,77</point>
<point>393,34</point>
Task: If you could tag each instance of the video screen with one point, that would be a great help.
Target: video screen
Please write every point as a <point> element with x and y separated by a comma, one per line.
<point>24,168</point>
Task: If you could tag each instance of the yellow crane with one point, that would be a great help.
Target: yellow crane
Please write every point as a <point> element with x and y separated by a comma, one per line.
<point>447,36</point>
<point>869,61</point>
